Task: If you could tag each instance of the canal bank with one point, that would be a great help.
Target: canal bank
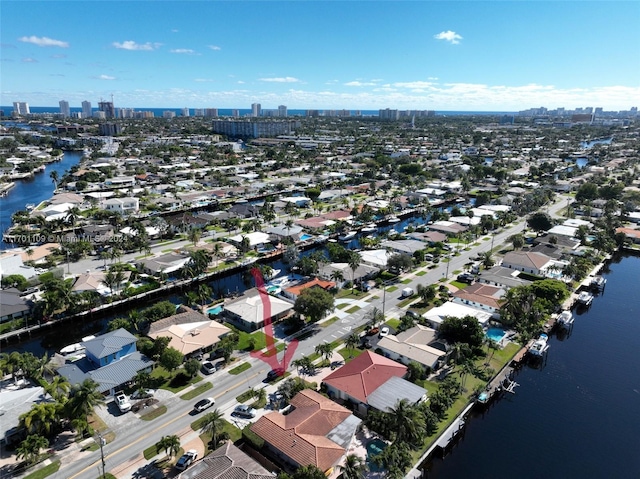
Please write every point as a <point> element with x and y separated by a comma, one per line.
<point>575,414</point>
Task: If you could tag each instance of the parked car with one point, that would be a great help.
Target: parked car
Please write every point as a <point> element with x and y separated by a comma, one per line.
<point>413,314</point>
<point>243,410</point>
<point>204,404</point>
<point>187,459</point>
<point>373,331</point>
<point>143,393</point>
<point>208,367</point>
<point>465,278</point>
<point>123,402</point>
<point>275,373</point>
<point>384,331</point>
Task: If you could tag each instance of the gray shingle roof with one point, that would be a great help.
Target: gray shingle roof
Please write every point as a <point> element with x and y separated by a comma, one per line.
<point>227,462</point>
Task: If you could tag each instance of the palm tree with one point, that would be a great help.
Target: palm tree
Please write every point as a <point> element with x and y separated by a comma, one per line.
<point>43,418</point>
<point>213,423</point>
<point>406,422</point>
<point>354,263</point>
<point>54,178</point>
<point>58,388</point>
<point>84,398</point>
<point>324,350</point>
<point>169,444</point>
<point>30,448</point>
<point>354,467</point>
<point>337,276</point>
<point>217,252</point>
<point>375,317</point>
<point>352,342</point>
<point>194,235</point>
<point>204,293</point>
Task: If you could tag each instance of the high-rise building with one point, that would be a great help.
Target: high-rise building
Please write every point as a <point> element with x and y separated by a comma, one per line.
<point>107,108</point>
<point>168,114</point>
<point>255,109</point>
<point>21,108</point>
<point>211,112</point>
<point>198,112</point>
<point>235,113</point>
<point>282,111</point>
<point>185,111</point>
<point>86,109</point>
<point>65,111</point>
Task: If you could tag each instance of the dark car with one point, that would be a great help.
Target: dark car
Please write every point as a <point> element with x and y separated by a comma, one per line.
<point>242,410</point>
<point>465,278</point>
<point>413,314</point>
<point>208,367</point>
<point>275,373</point>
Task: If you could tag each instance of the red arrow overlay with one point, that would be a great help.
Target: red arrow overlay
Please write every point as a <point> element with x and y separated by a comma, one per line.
<point>271,355</point>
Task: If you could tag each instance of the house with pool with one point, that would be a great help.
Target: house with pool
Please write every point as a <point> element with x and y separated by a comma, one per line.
<point>248,313</point>
<point>316,431</point>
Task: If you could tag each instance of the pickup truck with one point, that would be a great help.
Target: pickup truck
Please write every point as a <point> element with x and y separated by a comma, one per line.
<point>123,402</point>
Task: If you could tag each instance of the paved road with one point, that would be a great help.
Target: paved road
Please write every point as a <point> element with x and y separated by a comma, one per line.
<point>134,436</point>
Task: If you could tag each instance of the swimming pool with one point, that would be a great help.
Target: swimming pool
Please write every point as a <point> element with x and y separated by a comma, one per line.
<point>495,334</point>
<point>215,310</point>
<point>374,448</point>
<point>305,237</point>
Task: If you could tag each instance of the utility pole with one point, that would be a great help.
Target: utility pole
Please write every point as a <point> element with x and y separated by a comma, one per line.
<point>102,442</point>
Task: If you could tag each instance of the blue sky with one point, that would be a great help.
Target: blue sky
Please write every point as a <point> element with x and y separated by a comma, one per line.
<point>442,55</point>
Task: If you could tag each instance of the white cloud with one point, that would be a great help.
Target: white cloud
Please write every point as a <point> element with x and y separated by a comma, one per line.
<point>103,77</point>
<point>44,41</point>
<point>131,45</point>
<point>449,36</point>
<point>414,84</point>
<point>359,83</point>
<point>215,47</point>
<point>240,82</point>
<point>203,80</point>
<point>280,80</point>
<point>183,51</point>
<point>29,60</point>
<point>174,30</point>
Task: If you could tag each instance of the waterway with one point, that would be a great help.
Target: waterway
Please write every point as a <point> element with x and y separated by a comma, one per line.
<point>33,190</point>
<point>579,414</point>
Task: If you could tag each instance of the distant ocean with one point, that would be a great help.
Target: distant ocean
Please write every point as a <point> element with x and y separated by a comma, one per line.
<point>226,112</point>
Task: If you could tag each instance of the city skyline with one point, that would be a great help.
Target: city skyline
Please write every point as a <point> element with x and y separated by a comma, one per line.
<point>480,56</point>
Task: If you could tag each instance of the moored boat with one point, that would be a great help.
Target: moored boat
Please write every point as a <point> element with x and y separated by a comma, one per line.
<point>370,228</point>
<point>565,318</point>
<point>598,283</point>
<point>584,298</point>
<point>349,235</point>
<point>539,346</point>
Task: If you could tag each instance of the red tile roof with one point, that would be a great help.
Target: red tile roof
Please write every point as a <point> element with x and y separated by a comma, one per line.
<point>364,374</point>
<point>301,435</point>
<point>296,290</point>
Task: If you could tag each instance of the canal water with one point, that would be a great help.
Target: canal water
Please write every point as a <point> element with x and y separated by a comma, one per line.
<point>576,416</point>
<point>33,190</point>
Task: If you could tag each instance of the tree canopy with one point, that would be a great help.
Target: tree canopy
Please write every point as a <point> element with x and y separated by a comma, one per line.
<point>314,304</point>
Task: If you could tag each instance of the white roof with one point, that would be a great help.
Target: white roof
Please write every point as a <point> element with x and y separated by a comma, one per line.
<point>376,257</point>
<point>457,310</point>
<point>563,231</point>
<point>255,238</point>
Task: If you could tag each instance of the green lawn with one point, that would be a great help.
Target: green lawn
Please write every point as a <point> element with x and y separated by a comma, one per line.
<point>45,471</point>
<point>421,273</point>
<point>407,302</point>
<point>349,354</point>
<point>154,413</point>
<point>459,284</point>
<point>353,309</point>
<point>393,323</point>
<point>391,289</point>
<point>348,293</point>
<point>234,433</point>
<point>406,281</point>
<point>163,379</point>
<point>329,321</point>
<point>342,305</point>
<point>245,396</point>
<point>196,391</point>
<point>258,337</point>
<point>239,368</point>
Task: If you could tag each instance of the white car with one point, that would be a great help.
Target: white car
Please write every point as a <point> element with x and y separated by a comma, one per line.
<point>123,402</point>
<point>384,331</point>
<point>187,459</point>
<point>204,404</point>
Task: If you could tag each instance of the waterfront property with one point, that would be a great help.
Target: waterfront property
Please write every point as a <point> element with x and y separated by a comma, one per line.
<point>316,431</point>
<point>419,344</point>
<point>112,360</point>
<point>247,311</point>
<point>226,462</point>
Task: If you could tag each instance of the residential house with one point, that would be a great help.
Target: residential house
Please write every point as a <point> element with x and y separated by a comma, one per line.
<point>375,257</point>
<point>165,263</point>
<point>502,277</point>
<point>256,239</point>
<point>316,431</point>
<point>13,305</point>
<point>11,263</point>
<point>447,227</point>
<point>227,462</point>
<point>248,312</point>
<point>293,292</point>
<point>363,376</point>
<point>430,237</point>
<point>437,315</point>
<point>111,360</point>
<point>38,254</point>
<point>190,331</point>
<point>533,263</point>
<point>361,273</point>
<point>630,234</point>
<point>419,344</point>
<point>123,206</point>
<point>480,296</point>
<point>282,232</point>
<point>403,246</point>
